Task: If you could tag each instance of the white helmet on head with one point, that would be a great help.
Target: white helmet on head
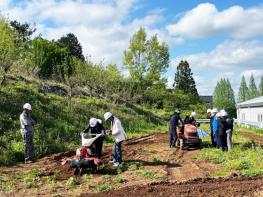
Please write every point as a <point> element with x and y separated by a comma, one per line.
<point>214,110</point>
<point>222,110</point>
<point>107,115</point>
<point>27,106</point>
<point>223,113</point>
<point>193,113</point>
<point>208,111</point>
<point>99,121</point>
<point>93,122</point>
<point>218,114</point>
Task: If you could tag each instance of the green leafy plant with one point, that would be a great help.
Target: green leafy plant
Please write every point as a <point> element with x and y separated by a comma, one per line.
<point>72,181</point>
<point>155,160</point>
<point>119,180</point>
<point>104,187</point>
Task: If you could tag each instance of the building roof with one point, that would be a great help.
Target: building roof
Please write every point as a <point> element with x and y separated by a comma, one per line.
<point>206,99</point>
<point>255,102</point>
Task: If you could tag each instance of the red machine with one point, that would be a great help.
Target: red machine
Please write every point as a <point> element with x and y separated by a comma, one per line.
<point>85,158</point>
<point>188,136</point>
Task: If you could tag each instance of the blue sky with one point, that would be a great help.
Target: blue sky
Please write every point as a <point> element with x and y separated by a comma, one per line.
<point>218,38</point>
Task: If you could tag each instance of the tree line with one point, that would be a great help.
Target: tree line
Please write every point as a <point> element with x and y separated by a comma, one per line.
<point>146,59</point>
<point>224,97</point>
<point>251,91</point>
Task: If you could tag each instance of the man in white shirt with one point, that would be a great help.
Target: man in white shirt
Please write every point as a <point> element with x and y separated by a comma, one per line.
<point>119,135</point>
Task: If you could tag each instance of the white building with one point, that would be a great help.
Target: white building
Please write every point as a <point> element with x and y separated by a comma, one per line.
<point>250,112</point>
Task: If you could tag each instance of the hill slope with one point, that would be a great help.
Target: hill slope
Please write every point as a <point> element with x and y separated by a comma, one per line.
<point>59,119</point>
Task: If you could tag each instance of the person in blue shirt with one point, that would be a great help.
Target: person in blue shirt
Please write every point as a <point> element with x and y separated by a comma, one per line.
<point>215,127</point>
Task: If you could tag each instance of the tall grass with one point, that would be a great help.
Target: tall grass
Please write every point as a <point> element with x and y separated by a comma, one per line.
<point>60,119</point>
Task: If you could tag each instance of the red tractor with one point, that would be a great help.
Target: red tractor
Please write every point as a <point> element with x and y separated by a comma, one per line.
<point>188,135</point>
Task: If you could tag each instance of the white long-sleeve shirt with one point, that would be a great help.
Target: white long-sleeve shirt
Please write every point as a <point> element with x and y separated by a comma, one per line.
<point>26,122</point>
<point>117,130</point>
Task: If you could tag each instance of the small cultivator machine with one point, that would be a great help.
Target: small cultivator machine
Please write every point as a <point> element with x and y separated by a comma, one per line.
<point>85,158</point>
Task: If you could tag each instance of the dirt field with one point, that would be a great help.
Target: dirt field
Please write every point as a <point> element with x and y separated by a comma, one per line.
<point>151,168</point>
<point>255,138</point>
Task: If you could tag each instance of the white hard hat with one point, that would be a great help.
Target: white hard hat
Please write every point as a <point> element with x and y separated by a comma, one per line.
<point>93,122</point>
<point>223,113</point>
<point>214,110</point>
<point>107,115</point>
<point>218,114</point>
<point>99,121</point>
<point>193,113</point>
<point>27,106</point>
<point>208,111</point>
<point>222,110</point>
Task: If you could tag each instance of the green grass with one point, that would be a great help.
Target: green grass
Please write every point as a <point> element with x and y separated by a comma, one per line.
<point>150,175</point>
<point>72,181</point>
<point>245,157</point>
<point>252,131</point>
<point>60,120</point>
<point>154,159</point>
<point>119,180</point>
<point>104,187</point>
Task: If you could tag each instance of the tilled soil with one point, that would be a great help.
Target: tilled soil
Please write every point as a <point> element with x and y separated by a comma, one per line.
<point>179,174</point>
<point>238,186</point>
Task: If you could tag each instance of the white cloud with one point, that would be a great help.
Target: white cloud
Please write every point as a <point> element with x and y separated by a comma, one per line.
<point>170,82</point>
<point>206,20</point>
<point>230,59</point>
<point>101,26</point>
<point>227,55</point>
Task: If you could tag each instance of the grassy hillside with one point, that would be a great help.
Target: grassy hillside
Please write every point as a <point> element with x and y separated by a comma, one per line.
<point>60,119</point>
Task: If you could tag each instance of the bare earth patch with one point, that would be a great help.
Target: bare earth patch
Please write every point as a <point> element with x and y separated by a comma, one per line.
<point>151,168</point>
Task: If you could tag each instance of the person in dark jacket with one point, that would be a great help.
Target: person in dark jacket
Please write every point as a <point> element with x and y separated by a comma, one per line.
<point>190,119</point>
<point>222,128</point>
<point>229,132</point>
<point>174,122</point>
<point>95,127</point>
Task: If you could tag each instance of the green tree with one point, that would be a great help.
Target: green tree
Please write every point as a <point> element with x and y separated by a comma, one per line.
<point>145,59</point>
<point>224,98</point>
<point>184,79</point>
<point>260,87</point>
<point>23,32</point>
<point>243,90</point>
<point>70,41</point>
<point>50,59</point>
<point>7,48</point>
<point>252,88</point>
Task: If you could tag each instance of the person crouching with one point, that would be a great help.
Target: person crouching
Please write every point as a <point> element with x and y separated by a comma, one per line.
<point>95,127</point>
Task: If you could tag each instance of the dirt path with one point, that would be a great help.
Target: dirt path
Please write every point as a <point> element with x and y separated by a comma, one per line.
<point>150,168</point>
<point>254,138</point>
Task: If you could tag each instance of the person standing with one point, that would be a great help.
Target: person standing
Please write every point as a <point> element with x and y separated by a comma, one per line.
<point>229,132</point>
<point>222,127</point>
<point>215,115</point>
<point>119,135</point>
<point>95,127</point>
<point>173,124</point>
<point>190,119</point>
<point>27,123</point>
<point>211,116</point>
